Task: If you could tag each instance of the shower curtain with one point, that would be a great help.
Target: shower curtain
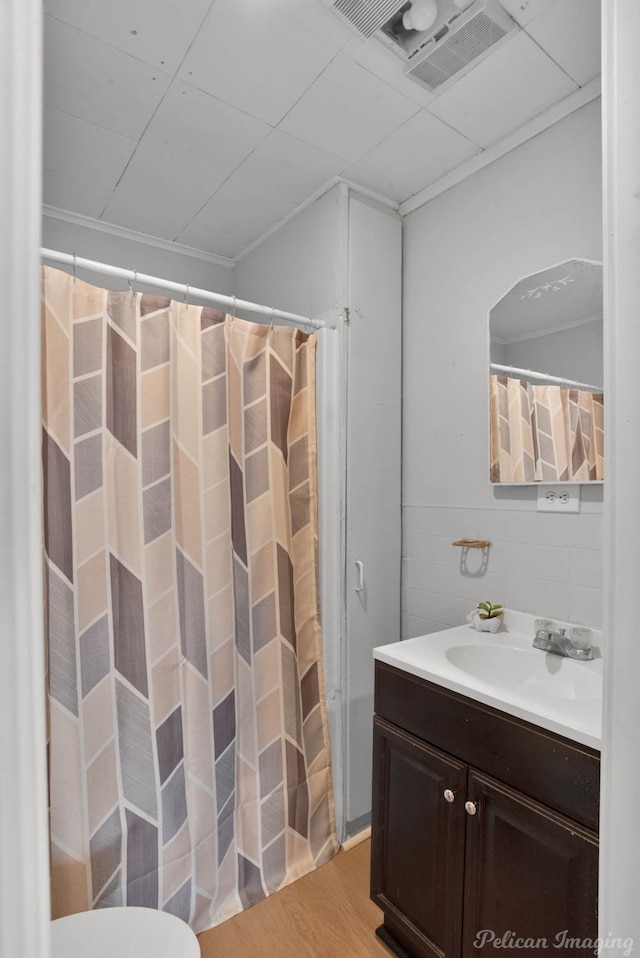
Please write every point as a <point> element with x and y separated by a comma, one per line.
<point>545,433</point>
<point>189,754</point>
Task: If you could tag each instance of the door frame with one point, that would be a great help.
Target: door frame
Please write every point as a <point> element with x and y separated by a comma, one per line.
<point>620,782</point>
<point>24,862</point>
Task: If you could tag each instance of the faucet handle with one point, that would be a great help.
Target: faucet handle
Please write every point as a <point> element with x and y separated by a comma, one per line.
<point>580,639</point>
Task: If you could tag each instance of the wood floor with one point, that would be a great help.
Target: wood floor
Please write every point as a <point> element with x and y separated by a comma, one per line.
<point>326,914</point>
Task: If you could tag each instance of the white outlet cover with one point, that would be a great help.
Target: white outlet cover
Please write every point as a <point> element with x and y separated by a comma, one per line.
<point>559,498</point>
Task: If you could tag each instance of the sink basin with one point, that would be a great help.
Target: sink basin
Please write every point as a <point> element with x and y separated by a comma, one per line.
<point>527,670</point>
<point>503,671</point>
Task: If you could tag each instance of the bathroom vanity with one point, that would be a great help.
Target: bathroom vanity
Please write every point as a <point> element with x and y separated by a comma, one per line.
<point>484,832</point>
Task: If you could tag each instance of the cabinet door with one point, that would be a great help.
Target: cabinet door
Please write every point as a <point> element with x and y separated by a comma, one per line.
<point>530,874</point>
<point>418,842</point>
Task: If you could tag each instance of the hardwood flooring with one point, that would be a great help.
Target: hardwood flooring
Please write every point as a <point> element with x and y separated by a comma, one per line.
<point>326,914</point>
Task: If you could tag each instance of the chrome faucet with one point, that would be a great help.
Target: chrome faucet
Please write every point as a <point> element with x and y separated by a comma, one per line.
<point>559,643</point>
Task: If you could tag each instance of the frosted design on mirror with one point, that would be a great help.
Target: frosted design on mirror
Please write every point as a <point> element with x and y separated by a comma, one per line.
<point>546,374</point>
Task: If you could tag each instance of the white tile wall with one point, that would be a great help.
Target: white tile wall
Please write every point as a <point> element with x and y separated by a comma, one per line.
<point>543,564</point>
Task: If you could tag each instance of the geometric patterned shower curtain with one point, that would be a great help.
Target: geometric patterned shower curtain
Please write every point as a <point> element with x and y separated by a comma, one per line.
<point>545,433</point>
<point>189,751</point>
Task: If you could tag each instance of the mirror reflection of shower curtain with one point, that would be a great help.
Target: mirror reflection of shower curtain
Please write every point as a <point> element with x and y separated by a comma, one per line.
<point>189,751</point>
<point>545,433</point>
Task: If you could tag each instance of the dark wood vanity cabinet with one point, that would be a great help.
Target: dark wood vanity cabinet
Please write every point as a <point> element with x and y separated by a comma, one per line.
<point>482,823</point>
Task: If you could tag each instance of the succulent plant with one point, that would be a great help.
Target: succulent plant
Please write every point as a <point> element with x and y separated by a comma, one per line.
<point>487,610</point>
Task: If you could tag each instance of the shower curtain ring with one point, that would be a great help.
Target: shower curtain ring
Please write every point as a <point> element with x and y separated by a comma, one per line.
<point>233,314</point>
<point>273,314</point>
<point>75,257</point>
<point>186,295</point>
<point>131,283</point>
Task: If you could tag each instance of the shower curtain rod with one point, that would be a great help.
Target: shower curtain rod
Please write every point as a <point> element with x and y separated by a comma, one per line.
<point>133,276</point>
<point>547,378</point>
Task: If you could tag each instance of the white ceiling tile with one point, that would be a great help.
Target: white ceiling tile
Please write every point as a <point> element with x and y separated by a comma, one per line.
<point>152,175</point>
<point>76,196</point>
<point>523,11</point>
<point>136,27</point>
<point>165,217</point>
<point>419,153</point>
<point>569,31</point>
<point>516,83</point>
<point>314,16</point>
<point>210,168</point>
<point>255,58</point>
<point>348,111</point>
<point>293,169</point>
<point>373,56</point>
<point>277,177</point>
<point>83,150</point>
<point>205,130</point>
<point>98,83</point>
<point>225,234</point>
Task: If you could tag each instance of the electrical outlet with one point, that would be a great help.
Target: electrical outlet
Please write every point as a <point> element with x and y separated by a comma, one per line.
<point>559,498</point>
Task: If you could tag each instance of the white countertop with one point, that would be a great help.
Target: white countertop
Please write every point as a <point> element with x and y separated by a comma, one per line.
<point>503,670</point>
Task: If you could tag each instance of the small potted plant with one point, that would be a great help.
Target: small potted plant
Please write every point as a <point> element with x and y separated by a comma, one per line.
<point>487,616</point>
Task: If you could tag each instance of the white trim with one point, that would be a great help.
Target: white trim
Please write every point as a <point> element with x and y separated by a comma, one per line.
<point>24,858</point>
<point>356,840</point>
<point>370,194</point>
<point>559,111</point>
<point>330,387</point>
<point>329,185</point>
<point>620,778</point>
<point>76,219</point>
<point>332,391</point>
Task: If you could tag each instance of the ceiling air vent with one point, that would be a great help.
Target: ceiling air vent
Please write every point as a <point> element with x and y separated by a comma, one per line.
<point>364,17</point>
<point>462,34</point>
<point>459,44</point>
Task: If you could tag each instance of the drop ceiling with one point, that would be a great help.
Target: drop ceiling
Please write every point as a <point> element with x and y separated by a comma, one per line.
<point>208,123</point>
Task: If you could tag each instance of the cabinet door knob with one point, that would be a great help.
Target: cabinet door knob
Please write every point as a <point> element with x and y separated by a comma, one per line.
<point>470,808</point>
<point>449,795</point>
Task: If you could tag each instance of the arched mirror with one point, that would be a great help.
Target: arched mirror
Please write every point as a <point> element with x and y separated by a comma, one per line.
<point>546,375</point>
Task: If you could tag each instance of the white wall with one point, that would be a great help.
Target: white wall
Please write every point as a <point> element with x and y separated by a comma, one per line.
<point>133,252</point>
<point>300,267</point>
<point>538,205</point>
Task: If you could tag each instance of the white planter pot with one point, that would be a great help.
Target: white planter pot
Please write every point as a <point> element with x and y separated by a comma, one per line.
<point>486,625</point>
